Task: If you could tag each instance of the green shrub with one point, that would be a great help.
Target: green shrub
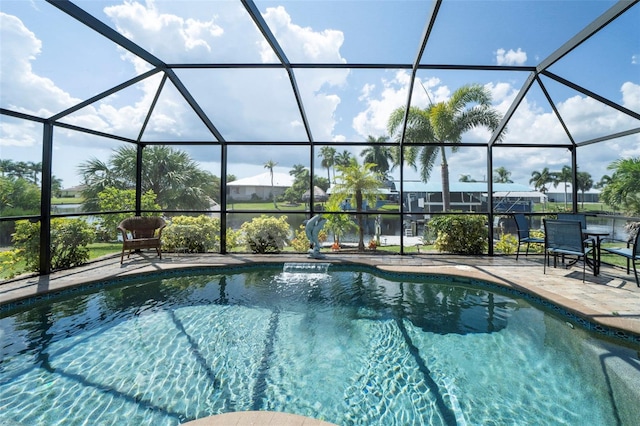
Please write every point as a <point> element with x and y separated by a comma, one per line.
<point>69,243</point>
<point>266,234</point>
<point>233,238</point>
<point>536,247</point>
<point>508,244</point>
<point>9,263</point>
<point>300,242</point>
<point>460,234</point>
<point>190,234</point>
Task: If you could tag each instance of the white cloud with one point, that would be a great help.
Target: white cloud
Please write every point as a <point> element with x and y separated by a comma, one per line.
<point>22,89</point>
<point>511,57</point>
<point>149,27</point>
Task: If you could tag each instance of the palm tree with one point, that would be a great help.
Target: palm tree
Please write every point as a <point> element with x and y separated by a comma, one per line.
<point>379,154</point>
<point>96,177</point>
<point>328,155</point>
<point>584,183</point>
<point>361,183</point>
<point>444,122</point>
<point>342,159</point>
<point>297,170</point>
<point>466,178</point>
<point>270,165</point>
<point>339,223</point>
<point>501,175</point>
<point>541,179</point>
<point>624,187</point>
<point>171,174</point>
<point>35,169</point>
<point>604,181</point>
<point>564,176</point>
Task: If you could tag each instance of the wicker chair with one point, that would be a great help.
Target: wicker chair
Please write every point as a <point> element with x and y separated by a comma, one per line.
<point>141,233</point>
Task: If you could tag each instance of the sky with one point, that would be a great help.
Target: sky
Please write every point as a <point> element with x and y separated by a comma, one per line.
<point>50,62</point>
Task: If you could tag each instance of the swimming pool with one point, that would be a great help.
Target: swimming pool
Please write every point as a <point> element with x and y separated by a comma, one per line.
<point>349,346</point>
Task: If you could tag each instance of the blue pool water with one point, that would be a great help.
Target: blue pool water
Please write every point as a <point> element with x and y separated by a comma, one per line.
<point>348,347</point>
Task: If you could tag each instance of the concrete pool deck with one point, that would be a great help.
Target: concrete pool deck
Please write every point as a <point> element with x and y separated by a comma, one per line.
<point>611,299</point>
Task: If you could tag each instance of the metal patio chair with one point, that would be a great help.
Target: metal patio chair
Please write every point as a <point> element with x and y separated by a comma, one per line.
<point>524,233</point>
<point>631,253</point>
<point>564,238</point>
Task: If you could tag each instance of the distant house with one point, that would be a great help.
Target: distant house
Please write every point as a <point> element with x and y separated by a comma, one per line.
<point>73,192</point>
<point>259,187</point>
<point>558,195</point>
<point>420,197</point>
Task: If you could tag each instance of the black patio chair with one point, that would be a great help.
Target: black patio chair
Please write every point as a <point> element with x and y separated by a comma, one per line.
<point>524,233</point>
<point>631,253</point>
<point>564,237</point>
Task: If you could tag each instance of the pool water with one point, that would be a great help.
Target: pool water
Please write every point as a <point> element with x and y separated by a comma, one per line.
<point>347,347</point>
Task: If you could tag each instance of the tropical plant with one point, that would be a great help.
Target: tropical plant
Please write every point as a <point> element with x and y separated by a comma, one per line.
<point>300,185</point>
<point>502,175</point>
<point>541,179</point>
<point>466,178</point>
<point>428,129</point>
<point>604,180</point>
<point>198,234</point>
<point>460,234</point>
<point>328,155</point>
<point>379,154</point>
<point>270,165</point>
<point>18,197</point>
<point>171,174</point>
<point>342,159</point>
<point>338,223</point>
<point>623,190</point>
<point>360,183</point>
<point>266,234</point>
<point>69,242</point>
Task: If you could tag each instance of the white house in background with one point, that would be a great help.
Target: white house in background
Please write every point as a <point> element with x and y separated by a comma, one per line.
<point>74,191</point>
<point>557,194</point>
<point>259,186</point>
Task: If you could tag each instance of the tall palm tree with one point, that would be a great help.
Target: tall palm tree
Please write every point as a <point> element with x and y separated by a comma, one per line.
<point>378,154</point>
<point>297,170</point>
<point>541,179</point>
<point>342,159</point>
<point>35,169</point>
<point>564,176</point>
<point>444,122</point>
<point>584,183</point>
<point>328,155</point>
<point>604,181</point>
<point>502,175</point>
<point>270,165</point>
<point>359,182</point>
